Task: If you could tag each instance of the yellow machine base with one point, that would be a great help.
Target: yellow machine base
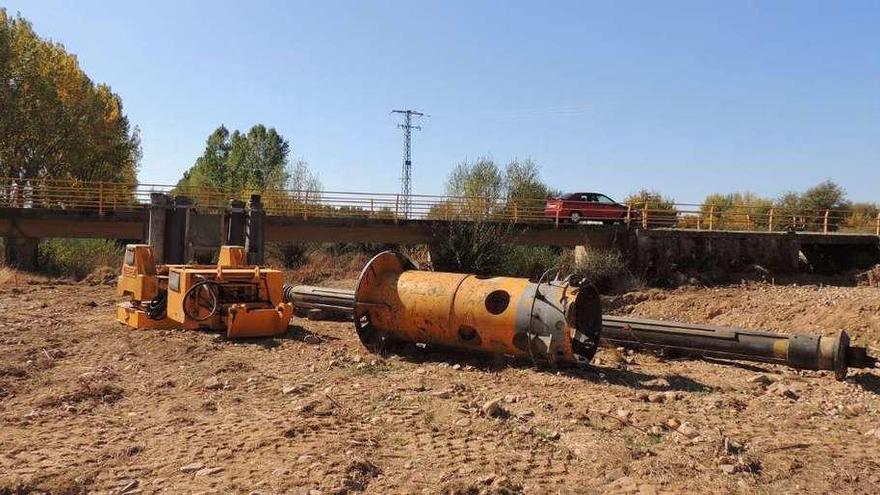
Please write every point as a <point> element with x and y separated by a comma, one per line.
<point>136,318</point>
<point>243,323</point>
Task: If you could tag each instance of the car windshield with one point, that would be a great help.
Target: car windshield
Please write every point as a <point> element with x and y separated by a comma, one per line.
<point>572,196</point>
<point>605,199</point>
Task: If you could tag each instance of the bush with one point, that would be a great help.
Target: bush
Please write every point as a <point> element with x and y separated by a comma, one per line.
<point>78,257</point>
<point>531,261</point>
<point>368,248</point>
<point>605,269</point>
<point>471,247</point>
<point>288,254</point>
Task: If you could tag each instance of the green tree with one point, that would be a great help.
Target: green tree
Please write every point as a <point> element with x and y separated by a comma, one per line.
<point>486,191</point>
<point>54,121</point>
<point>826,195</point>
<point>806,211</point>
<point>480,185</point>
<point>524,188</point>
<point>238,163</point>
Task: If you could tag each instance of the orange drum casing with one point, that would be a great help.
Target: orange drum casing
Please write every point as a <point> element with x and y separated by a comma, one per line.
<point>553,323</point>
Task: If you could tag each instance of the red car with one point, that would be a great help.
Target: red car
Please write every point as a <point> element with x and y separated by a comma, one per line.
<point>581,206</point>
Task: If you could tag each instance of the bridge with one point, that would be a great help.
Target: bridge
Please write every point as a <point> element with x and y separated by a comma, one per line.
<point>774,237</point>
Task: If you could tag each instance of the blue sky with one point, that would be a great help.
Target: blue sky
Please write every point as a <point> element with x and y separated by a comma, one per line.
<point>683,97</point>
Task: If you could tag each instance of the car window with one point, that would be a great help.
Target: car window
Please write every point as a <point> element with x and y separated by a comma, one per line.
<point>589,197</point>
<point>606,200</point>
<point>572,196</point>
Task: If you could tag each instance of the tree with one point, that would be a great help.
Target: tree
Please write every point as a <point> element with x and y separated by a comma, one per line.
<point>480,185</point>
<point>862,217</point>
<point>238,163</point>
<point>301,178</point>
<point>54,121</point>
<point>660,210</point>
<point>739,210</point>
<point>525,189</point>
<point>655,200</point>
<point>522,179</point>
<point>826,195</point>
<point>806,211</point>
<point>481,190</point>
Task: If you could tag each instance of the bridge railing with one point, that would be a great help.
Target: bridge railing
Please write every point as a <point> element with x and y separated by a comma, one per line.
<point>108,197</point>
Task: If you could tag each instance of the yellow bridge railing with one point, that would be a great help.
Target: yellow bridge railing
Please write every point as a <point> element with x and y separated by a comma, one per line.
<point>109,197</point>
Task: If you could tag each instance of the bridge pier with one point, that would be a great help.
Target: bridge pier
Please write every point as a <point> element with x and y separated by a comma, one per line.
<point>158,214</point>
<point>255,240</point>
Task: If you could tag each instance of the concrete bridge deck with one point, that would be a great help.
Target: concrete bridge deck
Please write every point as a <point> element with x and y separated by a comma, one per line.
<point>781,251</point>
<point>41,223</point>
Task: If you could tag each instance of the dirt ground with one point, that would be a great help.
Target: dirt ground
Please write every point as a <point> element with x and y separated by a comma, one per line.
<point>87,405</point>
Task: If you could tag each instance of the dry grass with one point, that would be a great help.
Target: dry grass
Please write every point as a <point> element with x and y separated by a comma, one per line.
<point>12,277</point>
<point>322,266</point>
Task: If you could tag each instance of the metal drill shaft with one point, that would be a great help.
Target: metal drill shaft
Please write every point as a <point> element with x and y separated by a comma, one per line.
<point>801,351</point>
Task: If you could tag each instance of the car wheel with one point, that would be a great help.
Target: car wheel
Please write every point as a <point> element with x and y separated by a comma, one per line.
<point>575,217</point>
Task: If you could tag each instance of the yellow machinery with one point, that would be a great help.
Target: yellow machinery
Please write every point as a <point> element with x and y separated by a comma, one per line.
<point>549,322</point>
<point>243,300</point>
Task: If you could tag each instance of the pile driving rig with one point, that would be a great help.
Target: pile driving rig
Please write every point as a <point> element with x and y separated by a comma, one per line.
<point>242,300</point>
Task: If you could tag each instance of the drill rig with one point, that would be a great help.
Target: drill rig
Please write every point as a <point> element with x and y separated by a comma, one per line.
<point>242,300</point>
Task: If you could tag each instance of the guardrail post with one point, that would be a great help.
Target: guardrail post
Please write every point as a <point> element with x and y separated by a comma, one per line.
<point>825,223</point>
<point>306,206</point>
<point>396,206</point>
<point>877,228</point>
<point>629,211</point>
<point>770,220</point>
<point>372,211</point>
<point>645,216</point>
<point>515,212</point>
<point>101,198</point>
<point>711,217</point>
<point>558,209</point>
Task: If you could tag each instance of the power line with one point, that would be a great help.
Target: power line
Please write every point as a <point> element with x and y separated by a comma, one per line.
<point>406,174</point>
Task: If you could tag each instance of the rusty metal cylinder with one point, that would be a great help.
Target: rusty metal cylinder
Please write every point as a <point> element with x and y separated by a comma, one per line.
<point>801,351</point>
<point>551,323</point>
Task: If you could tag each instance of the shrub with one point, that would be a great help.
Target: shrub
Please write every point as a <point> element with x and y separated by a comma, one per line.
<point>368,248</point>
<point>604,268</point>
<point>471,247</point>
<point>531,261</point>
<point>288,254</point>
<point>78,257</point>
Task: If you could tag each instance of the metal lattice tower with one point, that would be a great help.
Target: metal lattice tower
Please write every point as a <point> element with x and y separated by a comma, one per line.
<point>406,174</point>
